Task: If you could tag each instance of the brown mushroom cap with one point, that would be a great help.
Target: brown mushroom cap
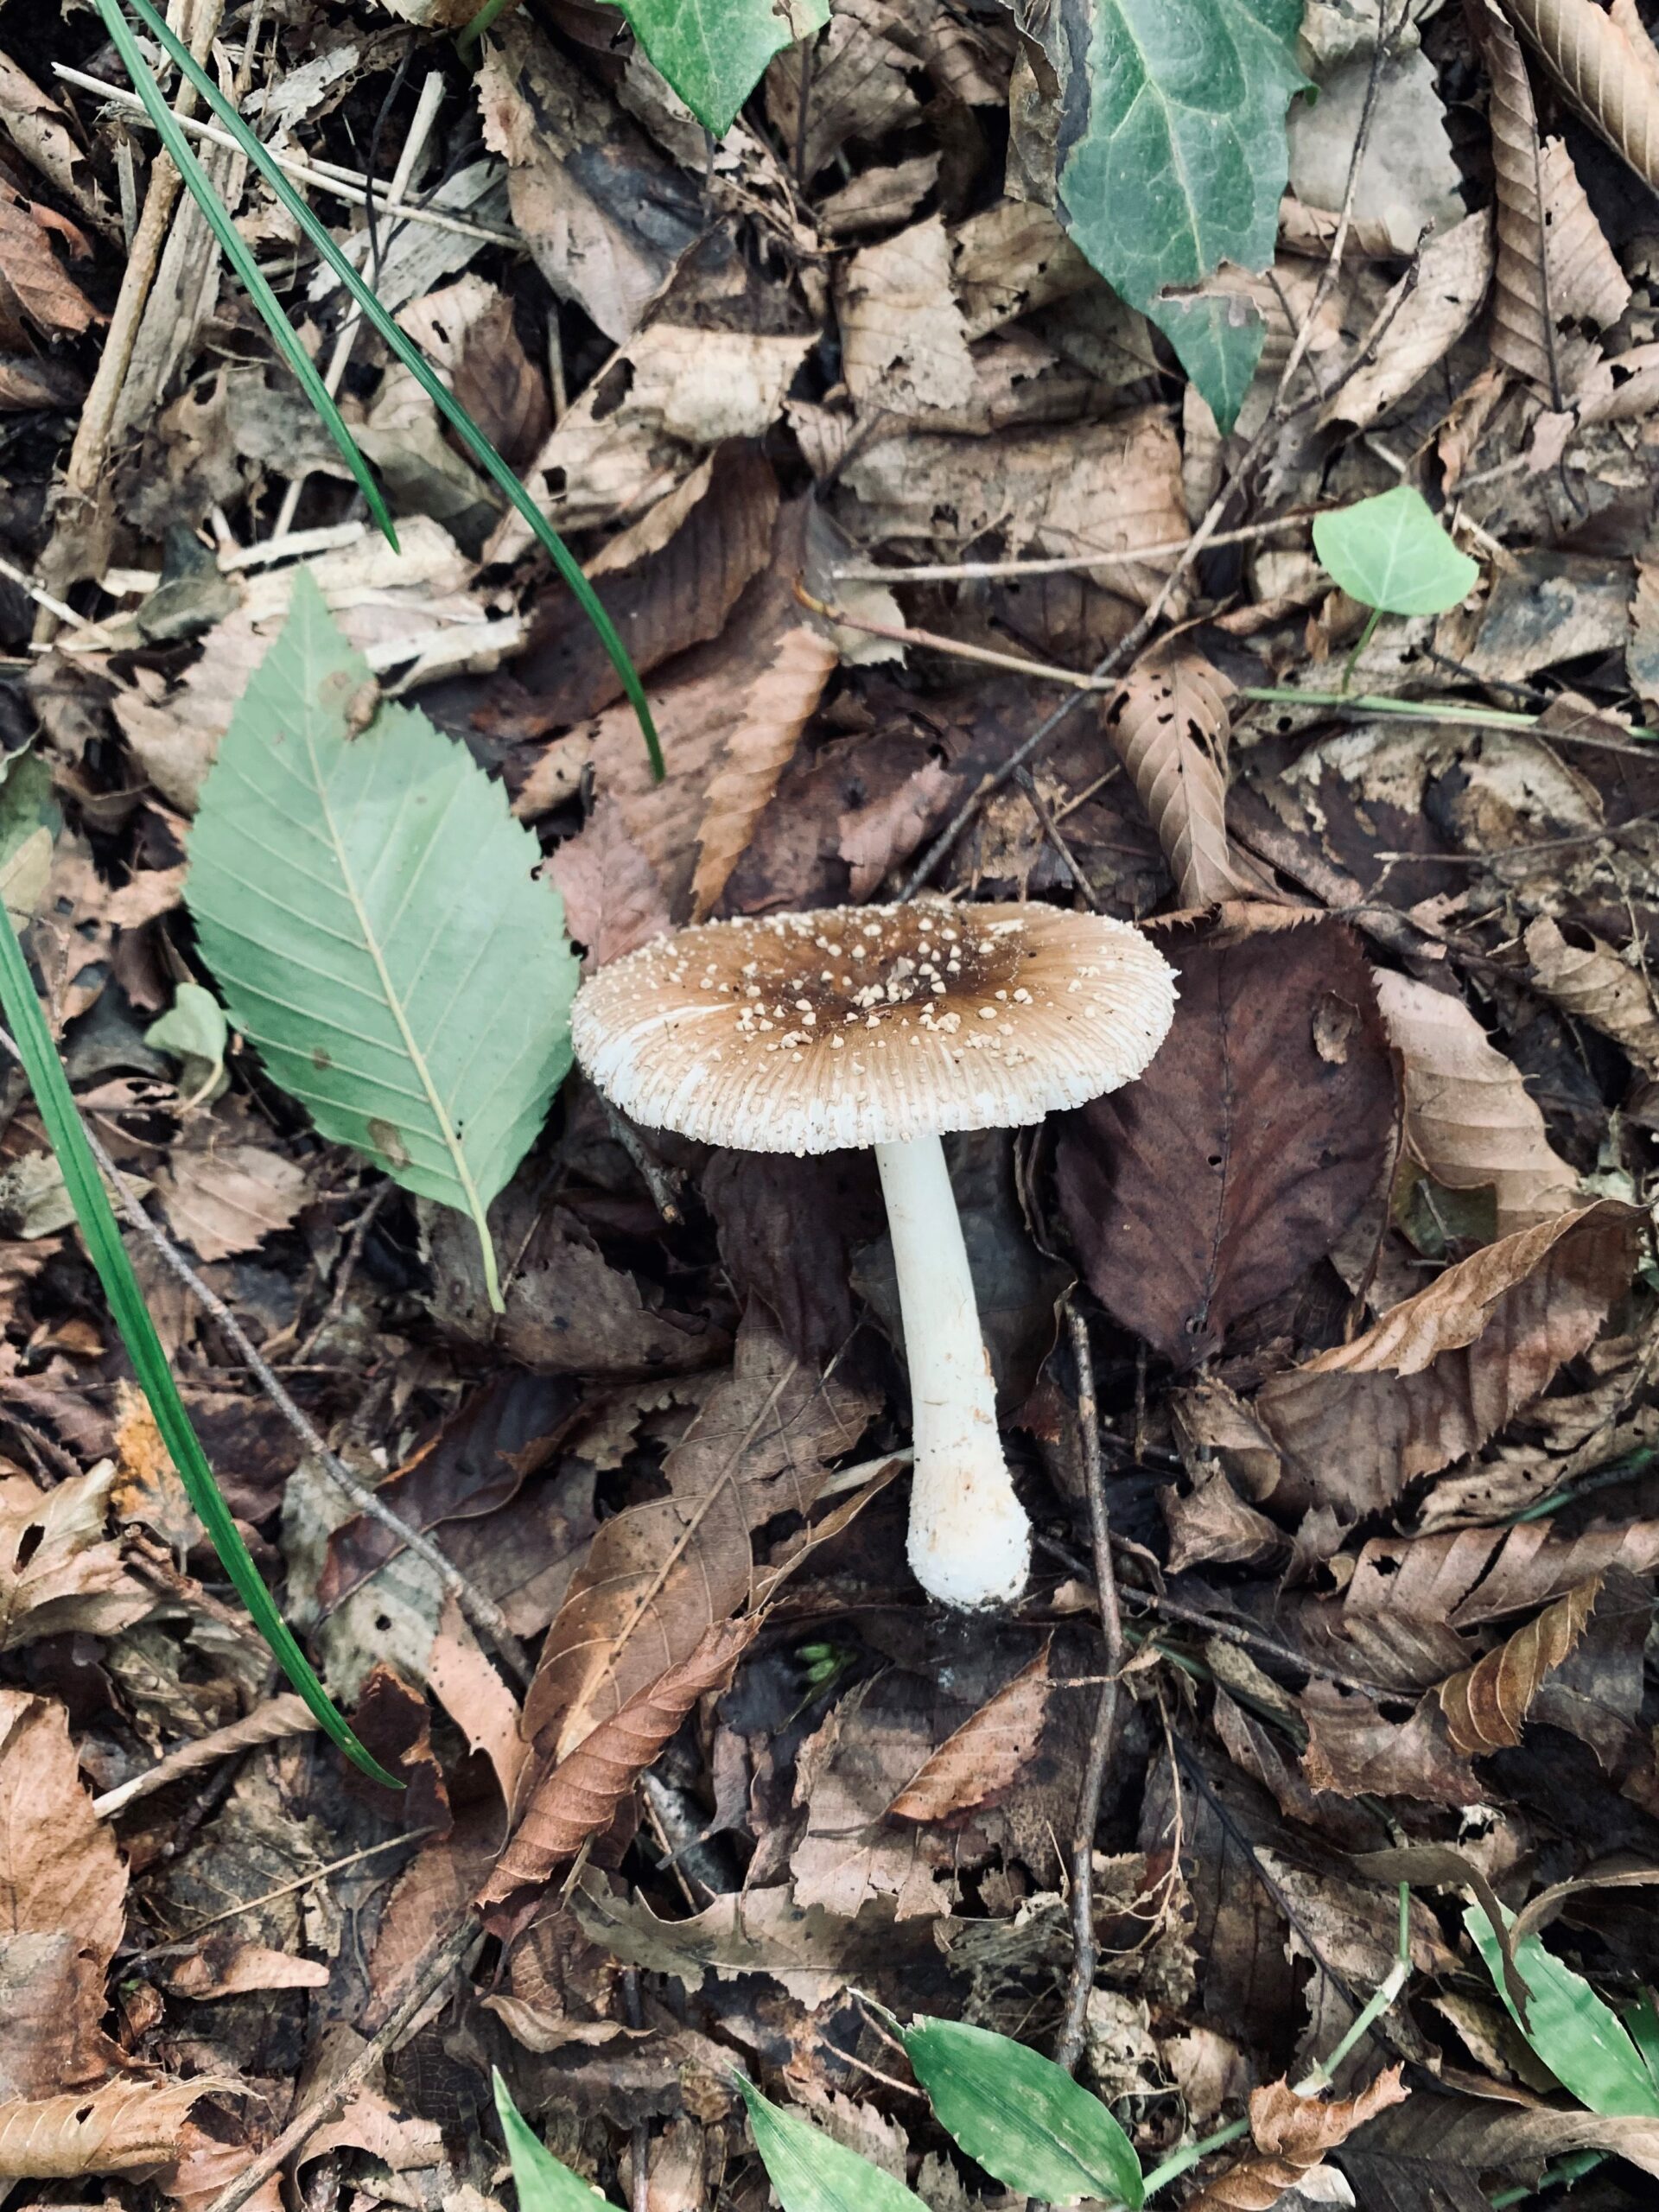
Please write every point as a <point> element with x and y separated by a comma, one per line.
<point>860,1026</point>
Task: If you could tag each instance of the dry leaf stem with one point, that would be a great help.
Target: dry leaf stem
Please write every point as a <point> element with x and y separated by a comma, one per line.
<point>480,1610</point>
<point>1084,1954</point>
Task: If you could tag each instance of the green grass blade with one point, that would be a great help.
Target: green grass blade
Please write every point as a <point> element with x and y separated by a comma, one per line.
<point>402,345</point>
<point>544,2184</point>
<point>240,258</point>
<point>109,1256</point>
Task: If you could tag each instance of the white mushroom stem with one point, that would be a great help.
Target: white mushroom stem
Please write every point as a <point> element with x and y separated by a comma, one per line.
<point>970,1537</point>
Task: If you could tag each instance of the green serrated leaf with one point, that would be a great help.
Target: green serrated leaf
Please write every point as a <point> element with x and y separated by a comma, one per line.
<point>194,1032</point>
<point>1174,152</point>
<point>1217,337</point>
<point>368,906</point>
<point>1021,2116</point>
<point>109,1257</point>
<point>1579,2038</point>
<point>544,2184</point>
<point>714,52</point>
<point>810,2171</point>
<point>1390,553</point>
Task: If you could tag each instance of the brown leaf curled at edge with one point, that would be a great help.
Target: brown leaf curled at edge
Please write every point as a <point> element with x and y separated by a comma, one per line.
<point>1555,271</point>
<point>1257,1135</point>
<point>120,2127</point>
<point>1354,1749</point>
<point>1291,2134</point>
<point>1599,60</point>
<point>1470,1119</point>
<point>1595,986</point>
<point>1443,1372</point>
<point>578,1797</point>
<point>984,1758</point>
<point>1485,1705</point>
<point>1465,1576</point>
<point>1167,723</point>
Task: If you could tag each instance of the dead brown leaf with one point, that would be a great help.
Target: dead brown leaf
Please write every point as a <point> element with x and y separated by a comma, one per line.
<point>1485,1705</point>
<point>1356,1750</point>
<point>1594,985</point>
<point>579,1796</point>
<point>1291,2134</point>
<point>1168,725</point>
<point>614,899</point>
<point>1422,318</point>
<point>1210,1185</point>
<point>1470,1119</point>
<point>1605,64</point>
<point>1465,1577</point>
<point>985,1757</point>
<point>31,271</point>
<point>1445,1370</point>
<point>122,2127</point>
<point>660,1573</point>
<point>765,725</point>
<point>1440,2142</point>
<point>227,1198</point>
<point>905,345</point>
<point>58,1573</point>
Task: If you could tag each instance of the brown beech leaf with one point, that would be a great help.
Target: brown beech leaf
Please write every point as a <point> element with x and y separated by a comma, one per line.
<point>984,1758</point>
<point>1442,1372</point>
<point>1357,1751</point>
<point>1416,2156</point>
<point>1485,1705</point>
<point>579,1797</point>
<point>1594,985</point>
<point>229,1197</point>
<point>1470,1119</point>
<point>1168,723</point>
<point>660,1573</point>
<point>118,2128</point>
<point>1465,1576</point>
<point>1257,1135</point>
<point>1556,273</point>
<point>1291,2134</point>
<point>766,722</point>
<point>1604,63</point>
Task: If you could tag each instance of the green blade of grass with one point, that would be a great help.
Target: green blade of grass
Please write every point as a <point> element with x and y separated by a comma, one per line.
<point>240,258</point>
<point>109,1256</point>
<point>402,345</point>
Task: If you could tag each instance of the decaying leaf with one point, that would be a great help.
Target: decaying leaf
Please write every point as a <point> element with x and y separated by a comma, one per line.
<point>1291,2134</point>
<point>1445,1370</point>
<point>229,1198</point>
<point>659,1573</point>
<point>1555,271</point>
<point>58,1573</point>
<point>1168,726</point>
<point>33,275</point>
<point>123,2127</point>
<point>1354,1749</point>
<point>614,899</point>
<point>1421,319</point>
<point>763,735</point>
<point>985,1756</point>
<point>1605,64</point>
<point>1595,985</point>
<point>1485,1705</point>
<point>1470,1119</point>
<point>905,344</point>
<point>578,1797</point>
<point>1470,1575</point>
<point>1237,1160</point>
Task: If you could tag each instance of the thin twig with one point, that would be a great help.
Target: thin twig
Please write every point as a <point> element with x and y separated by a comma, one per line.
<point>946,572</point>
<point>1050,830</point>
<point>663,1183</point>
<point>480,1610</point>
<point>639,2136</point>
<point>187,1937</point>
<point>1084,1953</point>
<point>343,1273</point>
<point>425,1983</point>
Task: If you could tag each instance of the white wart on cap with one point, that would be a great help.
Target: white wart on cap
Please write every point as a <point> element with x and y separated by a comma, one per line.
<point>863,1025</point>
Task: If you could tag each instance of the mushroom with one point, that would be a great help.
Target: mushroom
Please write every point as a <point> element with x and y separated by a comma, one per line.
<point>886,1026</point>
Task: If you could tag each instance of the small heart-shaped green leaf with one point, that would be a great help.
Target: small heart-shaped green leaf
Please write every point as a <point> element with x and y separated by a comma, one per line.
<point>1390,553</point>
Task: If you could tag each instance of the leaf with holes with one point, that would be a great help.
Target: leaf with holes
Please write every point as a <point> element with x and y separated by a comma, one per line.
<point>369,911</point>
<point>1390,553</point>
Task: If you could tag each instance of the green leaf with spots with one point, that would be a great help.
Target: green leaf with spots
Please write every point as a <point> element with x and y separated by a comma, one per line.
<point>1390,553</point>
<point>372,914</point>
<point>810,2171</point>
<point>1217,337</point>
<point>1021,2116</point>
<point>714,52</point>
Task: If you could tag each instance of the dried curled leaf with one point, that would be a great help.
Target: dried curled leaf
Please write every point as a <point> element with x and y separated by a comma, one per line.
<point>118,2128</point>
<point>1470,1119</point>
<point>1470,1575</point>
<point>1605,65</point>
<point>1168,725</point>
<point>1595,986</point>
<point>1442,1372</point>
<point>1291,2134</point>
<point>1485,1704</point>
<point>1555,271</point>
<point>983,1758</point>
<point>578,1797</point>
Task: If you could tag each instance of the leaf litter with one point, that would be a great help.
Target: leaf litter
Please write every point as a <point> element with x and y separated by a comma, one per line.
<point>828,403</point>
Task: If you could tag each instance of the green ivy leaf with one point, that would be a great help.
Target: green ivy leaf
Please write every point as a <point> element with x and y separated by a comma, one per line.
<point>1580,2039</point>
<point>1390,553</point>
<point>1021,2116</point>
<point>368,908</point>
<point>810,2171</point>
<point>1217,337</point>
<point>1173,154</point>
<point>544,2184</point>
<point>713,51</point>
